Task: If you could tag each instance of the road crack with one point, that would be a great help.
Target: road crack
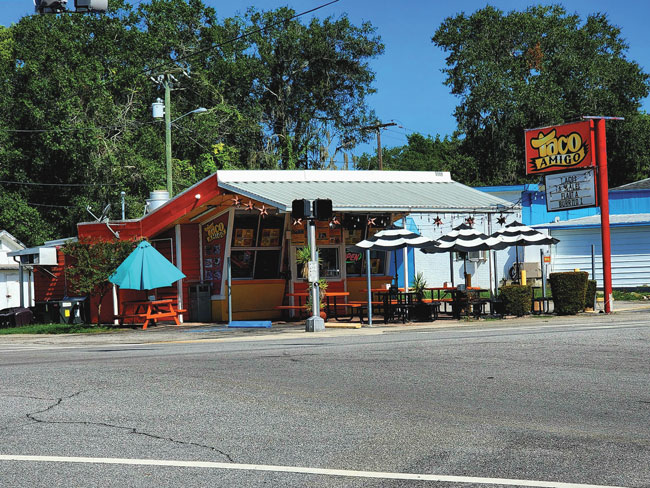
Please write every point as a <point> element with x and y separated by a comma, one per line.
<point>131,430</point>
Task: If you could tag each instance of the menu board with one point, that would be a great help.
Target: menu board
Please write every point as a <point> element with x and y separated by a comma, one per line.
<point>270,238</point>
<point>299,234</point>
<point>213,239</point>
<point>244,238</point>
<point>322,233</point>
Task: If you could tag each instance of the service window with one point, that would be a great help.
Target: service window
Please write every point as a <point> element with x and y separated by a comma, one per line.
<point>330,264</point>
<point>256,245</point>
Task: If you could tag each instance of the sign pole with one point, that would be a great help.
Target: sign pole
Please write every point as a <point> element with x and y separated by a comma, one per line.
<point>603,196</point>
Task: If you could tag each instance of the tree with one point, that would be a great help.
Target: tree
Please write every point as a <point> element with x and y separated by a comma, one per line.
<point>93,263</point>
<point>311,80</point>
<point>426,154</point>
<point>535,68</point>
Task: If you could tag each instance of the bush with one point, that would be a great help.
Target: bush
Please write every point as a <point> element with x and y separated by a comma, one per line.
<point>568,291</point>
<point>590,294</point>
<point>516,299</point>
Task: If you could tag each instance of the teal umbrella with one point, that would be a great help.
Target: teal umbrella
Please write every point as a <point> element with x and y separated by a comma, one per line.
<point>145,269</point>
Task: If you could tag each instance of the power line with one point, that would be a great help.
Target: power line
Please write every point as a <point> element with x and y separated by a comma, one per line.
<point>242,36</point>
<point>31,183</point>
<point>73,129</point>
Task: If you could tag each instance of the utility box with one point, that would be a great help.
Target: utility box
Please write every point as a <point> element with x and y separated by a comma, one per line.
<point>200,303</point>
<point>74,310</point>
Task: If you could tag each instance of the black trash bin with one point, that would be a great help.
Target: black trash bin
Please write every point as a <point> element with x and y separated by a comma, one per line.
<point>74,310</point>
<point>15,317</point>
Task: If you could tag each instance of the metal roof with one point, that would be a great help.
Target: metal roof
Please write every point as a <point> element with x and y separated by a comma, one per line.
<point>377,191</point>
<point>617,220</point>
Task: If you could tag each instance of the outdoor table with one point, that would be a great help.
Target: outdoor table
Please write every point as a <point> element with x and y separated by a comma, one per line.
<point>396,303</point>
<point>332,307</point>
<point>444,294</point>
<point>149,310</point>
<point>470,300</point>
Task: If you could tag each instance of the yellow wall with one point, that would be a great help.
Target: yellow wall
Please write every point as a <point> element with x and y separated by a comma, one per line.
<point>251,300</point>
<point>356,284</point>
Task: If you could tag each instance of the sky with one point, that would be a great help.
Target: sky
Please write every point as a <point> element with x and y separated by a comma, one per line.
<point>409,81</point>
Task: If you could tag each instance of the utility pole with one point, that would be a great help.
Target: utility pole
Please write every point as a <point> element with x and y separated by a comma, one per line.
<point>168,134</point>
<point>377,128</point>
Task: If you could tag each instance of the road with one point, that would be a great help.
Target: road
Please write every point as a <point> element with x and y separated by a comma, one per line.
<point>537,403</point>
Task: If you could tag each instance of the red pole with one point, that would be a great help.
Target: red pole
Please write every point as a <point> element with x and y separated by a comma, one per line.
<point>603,197</point>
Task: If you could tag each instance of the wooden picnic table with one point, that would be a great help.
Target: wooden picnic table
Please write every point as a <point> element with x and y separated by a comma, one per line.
<point>149,311</point>
<point>332,305</point>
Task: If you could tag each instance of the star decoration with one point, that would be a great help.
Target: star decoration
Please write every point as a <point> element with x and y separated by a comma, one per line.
<point>437,221</point>
<point>470,221</point>
<point>501,220</point>
<point>236,201</point>
<point>297,221</point>
<point>263,211</point>
<point>250,205</point>
<point>335,221</point>
<point>371,221</point>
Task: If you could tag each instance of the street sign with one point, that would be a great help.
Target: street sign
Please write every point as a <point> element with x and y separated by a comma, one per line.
<point>559,148</point>
<point>547,259</point>
<point>566,191</point>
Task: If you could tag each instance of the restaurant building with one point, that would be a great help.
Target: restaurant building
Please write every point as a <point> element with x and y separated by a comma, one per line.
<point>246,216</point>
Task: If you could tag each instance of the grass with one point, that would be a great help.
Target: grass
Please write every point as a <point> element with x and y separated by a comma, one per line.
<point>56,329</point>
<point>627,296</point>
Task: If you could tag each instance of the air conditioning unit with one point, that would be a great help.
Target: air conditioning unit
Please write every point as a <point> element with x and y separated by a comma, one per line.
<point>477,256</point>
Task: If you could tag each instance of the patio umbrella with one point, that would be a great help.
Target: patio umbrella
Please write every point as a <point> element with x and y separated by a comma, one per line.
<point>517,234</point>
<point>388,240</point>
<point>145,269</point>
<point>463,239</point>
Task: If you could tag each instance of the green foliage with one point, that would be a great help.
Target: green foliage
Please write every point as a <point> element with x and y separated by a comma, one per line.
<point>539,67</point>
<point>569,291</point>
<point>92,264</point>
<point>76,94</point>
<point>516,299</point>
<point>55,329</point>
<point>425,154</point>
<point>590,294</point>
<point>419,284</point>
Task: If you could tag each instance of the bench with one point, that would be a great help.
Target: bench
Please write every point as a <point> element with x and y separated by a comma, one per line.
<point>300,308</point>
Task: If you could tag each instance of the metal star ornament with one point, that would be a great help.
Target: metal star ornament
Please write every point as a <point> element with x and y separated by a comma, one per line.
<point>263,211</point>
<point>250,205</point>
<point>470,221</point>
<point>236,201</point>
<point>335,221</point>
<point>297,221</point>
<point>501,219</point>
<point>437,221</point>
<point>371,221</point>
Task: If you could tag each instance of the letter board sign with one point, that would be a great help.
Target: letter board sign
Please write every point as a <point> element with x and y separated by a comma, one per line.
<point>559,148</point>
<point>574,189</point>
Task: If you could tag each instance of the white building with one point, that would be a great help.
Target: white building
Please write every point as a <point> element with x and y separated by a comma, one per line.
<point>9,274</point>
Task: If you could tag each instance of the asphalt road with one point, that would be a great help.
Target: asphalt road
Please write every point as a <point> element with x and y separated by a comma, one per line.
<point>548,403</point>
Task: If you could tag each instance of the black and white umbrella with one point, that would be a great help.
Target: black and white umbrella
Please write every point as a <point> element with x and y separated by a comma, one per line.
<point>463,238</point>
<point>517,234</point>
<point>388,240</point>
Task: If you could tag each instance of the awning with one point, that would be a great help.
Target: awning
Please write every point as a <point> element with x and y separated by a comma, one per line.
<point>373,191</point>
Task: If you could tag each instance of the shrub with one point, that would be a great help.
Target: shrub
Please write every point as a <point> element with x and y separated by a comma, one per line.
<point>516,299</point>
<point>590,294</point>
<point>568,291</point>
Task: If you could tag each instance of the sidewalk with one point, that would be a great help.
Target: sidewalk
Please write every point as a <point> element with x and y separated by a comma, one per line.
<point>192,332</point>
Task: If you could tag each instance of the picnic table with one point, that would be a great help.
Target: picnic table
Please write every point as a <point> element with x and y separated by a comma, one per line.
<point>149,311</point>
<point>332,306</point>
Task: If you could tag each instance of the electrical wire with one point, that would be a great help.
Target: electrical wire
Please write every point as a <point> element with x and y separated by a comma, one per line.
<point>31,183</point>
<point>241,36</point>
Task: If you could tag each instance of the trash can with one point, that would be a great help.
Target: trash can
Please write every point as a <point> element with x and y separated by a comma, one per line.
<point>47,312</point>
<point>15,317</point>
<point>74,310</point>
<point>200,304</point>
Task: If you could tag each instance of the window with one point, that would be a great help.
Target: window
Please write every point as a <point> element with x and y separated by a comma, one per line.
<point>329,264</point>
<point>355,262</point>
<point>256,246</point>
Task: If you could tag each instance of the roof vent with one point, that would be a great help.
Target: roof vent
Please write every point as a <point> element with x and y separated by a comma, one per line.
<point>157,198</point>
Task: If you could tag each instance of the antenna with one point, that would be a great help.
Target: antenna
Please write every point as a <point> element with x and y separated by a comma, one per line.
<point>89,210</point>
<point>104,217</point>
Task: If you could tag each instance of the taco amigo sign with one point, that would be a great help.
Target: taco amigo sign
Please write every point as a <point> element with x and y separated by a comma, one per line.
<point>559,148</point>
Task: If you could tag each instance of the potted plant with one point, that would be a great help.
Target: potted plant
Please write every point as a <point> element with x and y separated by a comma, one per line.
<point>421,309</point>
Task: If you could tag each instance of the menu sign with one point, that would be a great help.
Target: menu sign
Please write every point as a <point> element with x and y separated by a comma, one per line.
<point>559,148</point>
<point>566,191</point>
<point>213,240</point>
